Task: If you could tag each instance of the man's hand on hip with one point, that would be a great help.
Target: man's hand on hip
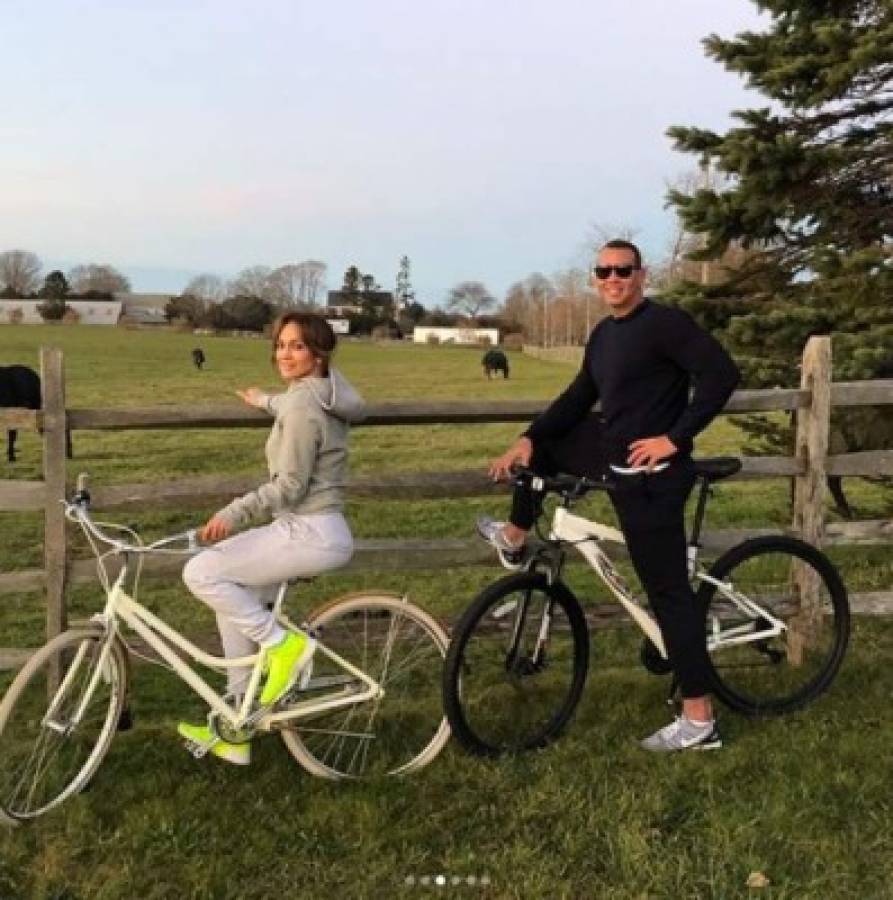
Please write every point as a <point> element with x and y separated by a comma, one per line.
<point>517,455</point>
<point>650,451</point>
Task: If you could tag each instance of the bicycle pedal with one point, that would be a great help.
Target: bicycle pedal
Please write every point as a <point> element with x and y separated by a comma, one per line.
<point>197,749</point>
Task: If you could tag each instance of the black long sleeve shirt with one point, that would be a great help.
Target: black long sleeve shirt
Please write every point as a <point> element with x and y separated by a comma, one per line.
<point>641,367</point>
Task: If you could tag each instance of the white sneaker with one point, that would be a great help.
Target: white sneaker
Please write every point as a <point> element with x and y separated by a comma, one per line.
<point>493,532</point>
<point>683,734</point>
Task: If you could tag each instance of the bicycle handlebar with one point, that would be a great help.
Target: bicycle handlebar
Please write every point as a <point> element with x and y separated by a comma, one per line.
<point>78,510</point>
<point>575,486</point>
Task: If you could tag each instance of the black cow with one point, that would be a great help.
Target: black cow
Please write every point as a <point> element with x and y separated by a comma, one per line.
<point>198,357</point>
<point>858,430</point>
<point>495,361</point>
<point>20,388</point>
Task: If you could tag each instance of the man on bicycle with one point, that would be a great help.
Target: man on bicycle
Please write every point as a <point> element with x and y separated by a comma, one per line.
<point>640,363</point>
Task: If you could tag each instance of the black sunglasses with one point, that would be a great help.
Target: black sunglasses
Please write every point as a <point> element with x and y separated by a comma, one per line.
<point>603,272</point>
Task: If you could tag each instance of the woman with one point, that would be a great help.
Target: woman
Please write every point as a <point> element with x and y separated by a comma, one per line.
<point>307,461</point>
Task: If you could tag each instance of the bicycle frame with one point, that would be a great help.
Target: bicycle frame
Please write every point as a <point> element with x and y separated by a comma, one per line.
<point>585,535</point>
<point>120,607</point>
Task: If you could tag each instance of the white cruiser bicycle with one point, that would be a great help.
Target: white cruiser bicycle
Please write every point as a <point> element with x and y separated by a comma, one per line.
<point>775,610</point>
<point>370,707</point>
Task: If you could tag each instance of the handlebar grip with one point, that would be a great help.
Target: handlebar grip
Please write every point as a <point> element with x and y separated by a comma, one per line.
<point>82,494</point>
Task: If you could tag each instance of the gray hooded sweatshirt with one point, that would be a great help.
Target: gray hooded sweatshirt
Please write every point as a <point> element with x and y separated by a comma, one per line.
<point>306,451</point>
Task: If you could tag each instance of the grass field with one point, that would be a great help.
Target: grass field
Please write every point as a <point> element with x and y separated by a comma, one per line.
<point>804,800</point>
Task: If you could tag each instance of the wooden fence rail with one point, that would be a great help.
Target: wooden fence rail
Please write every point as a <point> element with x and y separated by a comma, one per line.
<point>808,467</point>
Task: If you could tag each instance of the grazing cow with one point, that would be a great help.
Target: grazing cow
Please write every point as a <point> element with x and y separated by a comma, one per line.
<point>858,430</point>
<point>20,388</point>
<point>198,357</point>
<point>495,361</point>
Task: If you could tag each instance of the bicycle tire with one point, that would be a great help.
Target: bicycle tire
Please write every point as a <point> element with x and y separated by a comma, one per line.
<point>498,701</point>
<point>403,730</point>
<point>784,673</point>
<point>46,760</point>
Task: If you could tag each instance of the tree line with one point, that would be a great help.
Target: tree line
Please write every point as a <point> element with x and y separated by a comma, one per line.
<point>20,279</point>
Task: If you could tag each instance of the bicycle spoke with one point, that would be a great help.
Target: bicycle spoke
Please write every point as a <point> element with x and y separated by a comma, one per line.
<point>387,639</point>
<point>777,624</point>
<point>512,681</point>
<point>47,757</point>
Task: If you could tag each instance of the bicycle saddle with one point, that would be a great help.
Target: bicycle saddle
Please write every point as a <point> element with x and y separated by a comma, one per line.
<point>717,467</point>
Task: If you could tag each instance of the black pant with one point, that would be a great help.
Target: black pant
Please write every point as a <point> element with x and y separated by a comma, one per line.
<point>651,511</point>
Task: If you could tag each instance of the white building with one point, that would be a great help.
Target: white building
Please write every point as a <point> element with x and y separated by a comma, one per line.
<point>443,334</point>
<point>143,309</point>
<point>89,312</point>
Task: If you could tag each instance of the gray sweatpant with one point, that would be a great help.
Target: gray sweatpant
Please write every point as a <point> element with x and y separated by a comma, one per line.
<point>238,577</point>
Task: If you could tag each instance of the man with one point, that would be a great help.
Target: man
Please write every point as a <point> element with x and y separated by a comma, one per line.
<point>640,362</point>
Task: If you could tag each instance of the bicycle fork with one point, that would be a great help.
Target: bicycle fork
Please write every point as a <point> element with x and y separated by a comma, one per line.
<point>535,660</point>
<point>51,719</point>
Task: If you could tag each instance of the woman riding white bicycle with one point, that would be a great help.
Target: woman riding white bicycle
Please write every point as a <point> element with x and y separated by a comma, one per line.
<point>307,461</point>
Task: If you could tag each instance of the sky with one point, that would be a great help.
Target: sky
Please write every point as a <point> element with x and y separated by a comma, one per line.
<point>485,139</point>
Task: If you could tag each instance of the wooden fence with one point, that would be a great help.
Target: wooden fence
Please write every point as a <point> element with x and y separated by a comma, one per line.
<point>809,467</point>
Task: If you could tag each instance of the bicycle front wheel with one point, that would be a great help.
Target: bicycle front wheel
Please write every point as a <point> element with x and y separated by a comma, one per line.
<point>516,665</point>
<point>779,655</point>
<point>57,720</point>
<point>402,648</point>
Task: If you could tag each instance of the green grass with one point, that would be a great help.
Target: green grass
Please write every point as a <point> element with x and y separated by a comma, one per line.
<point>804,799</point>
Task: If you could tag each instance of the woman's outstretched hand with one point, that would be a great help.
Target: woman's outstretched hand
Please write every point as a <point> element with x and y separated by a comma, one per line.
<point>215,529</point>
<point>254,397</point>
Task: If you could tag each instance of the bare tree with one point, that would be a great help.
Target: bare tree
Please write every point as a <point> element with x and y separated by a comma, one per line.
<point>515,308</point>
<point>253,281</point>
<point>298,284</point>
<point>576,308</point>
<point>677,265</point>
<point>208,287</point>
<point>470,298</point>
<point>284,285</point>
<point>600,233</point>
<point>527,303</point>
<point>313,281</point>
<point>95,277</point>
<point>19,272</point>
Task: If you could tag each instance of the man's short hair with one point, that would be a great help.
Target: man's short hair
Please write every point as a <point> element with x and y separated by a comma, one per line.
<point>620,244</point>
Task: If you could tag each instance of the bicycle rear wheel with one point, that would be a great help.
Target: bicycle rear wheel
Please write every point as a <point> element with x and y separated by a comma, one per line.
<point>516,665</point>
<point>799,587</point>
<point>57,721</point>
<point>402,648</point>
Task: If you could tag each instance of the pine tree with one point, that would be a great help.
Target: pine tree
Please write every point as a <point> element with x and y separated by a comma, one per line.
<point>53,292</point>
<point>807,192</point>
<point>404,294</point>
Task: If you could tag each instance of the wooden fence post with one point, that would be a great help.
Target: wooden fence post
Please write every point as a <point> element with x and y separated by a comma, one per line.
<point>811,448</point>
<point>54,424</point>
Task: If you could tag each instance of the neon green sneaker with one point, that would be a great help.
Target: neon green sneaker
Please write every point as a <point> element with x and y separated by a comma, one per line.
<point>284,664</point>
<point>238,754</point>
